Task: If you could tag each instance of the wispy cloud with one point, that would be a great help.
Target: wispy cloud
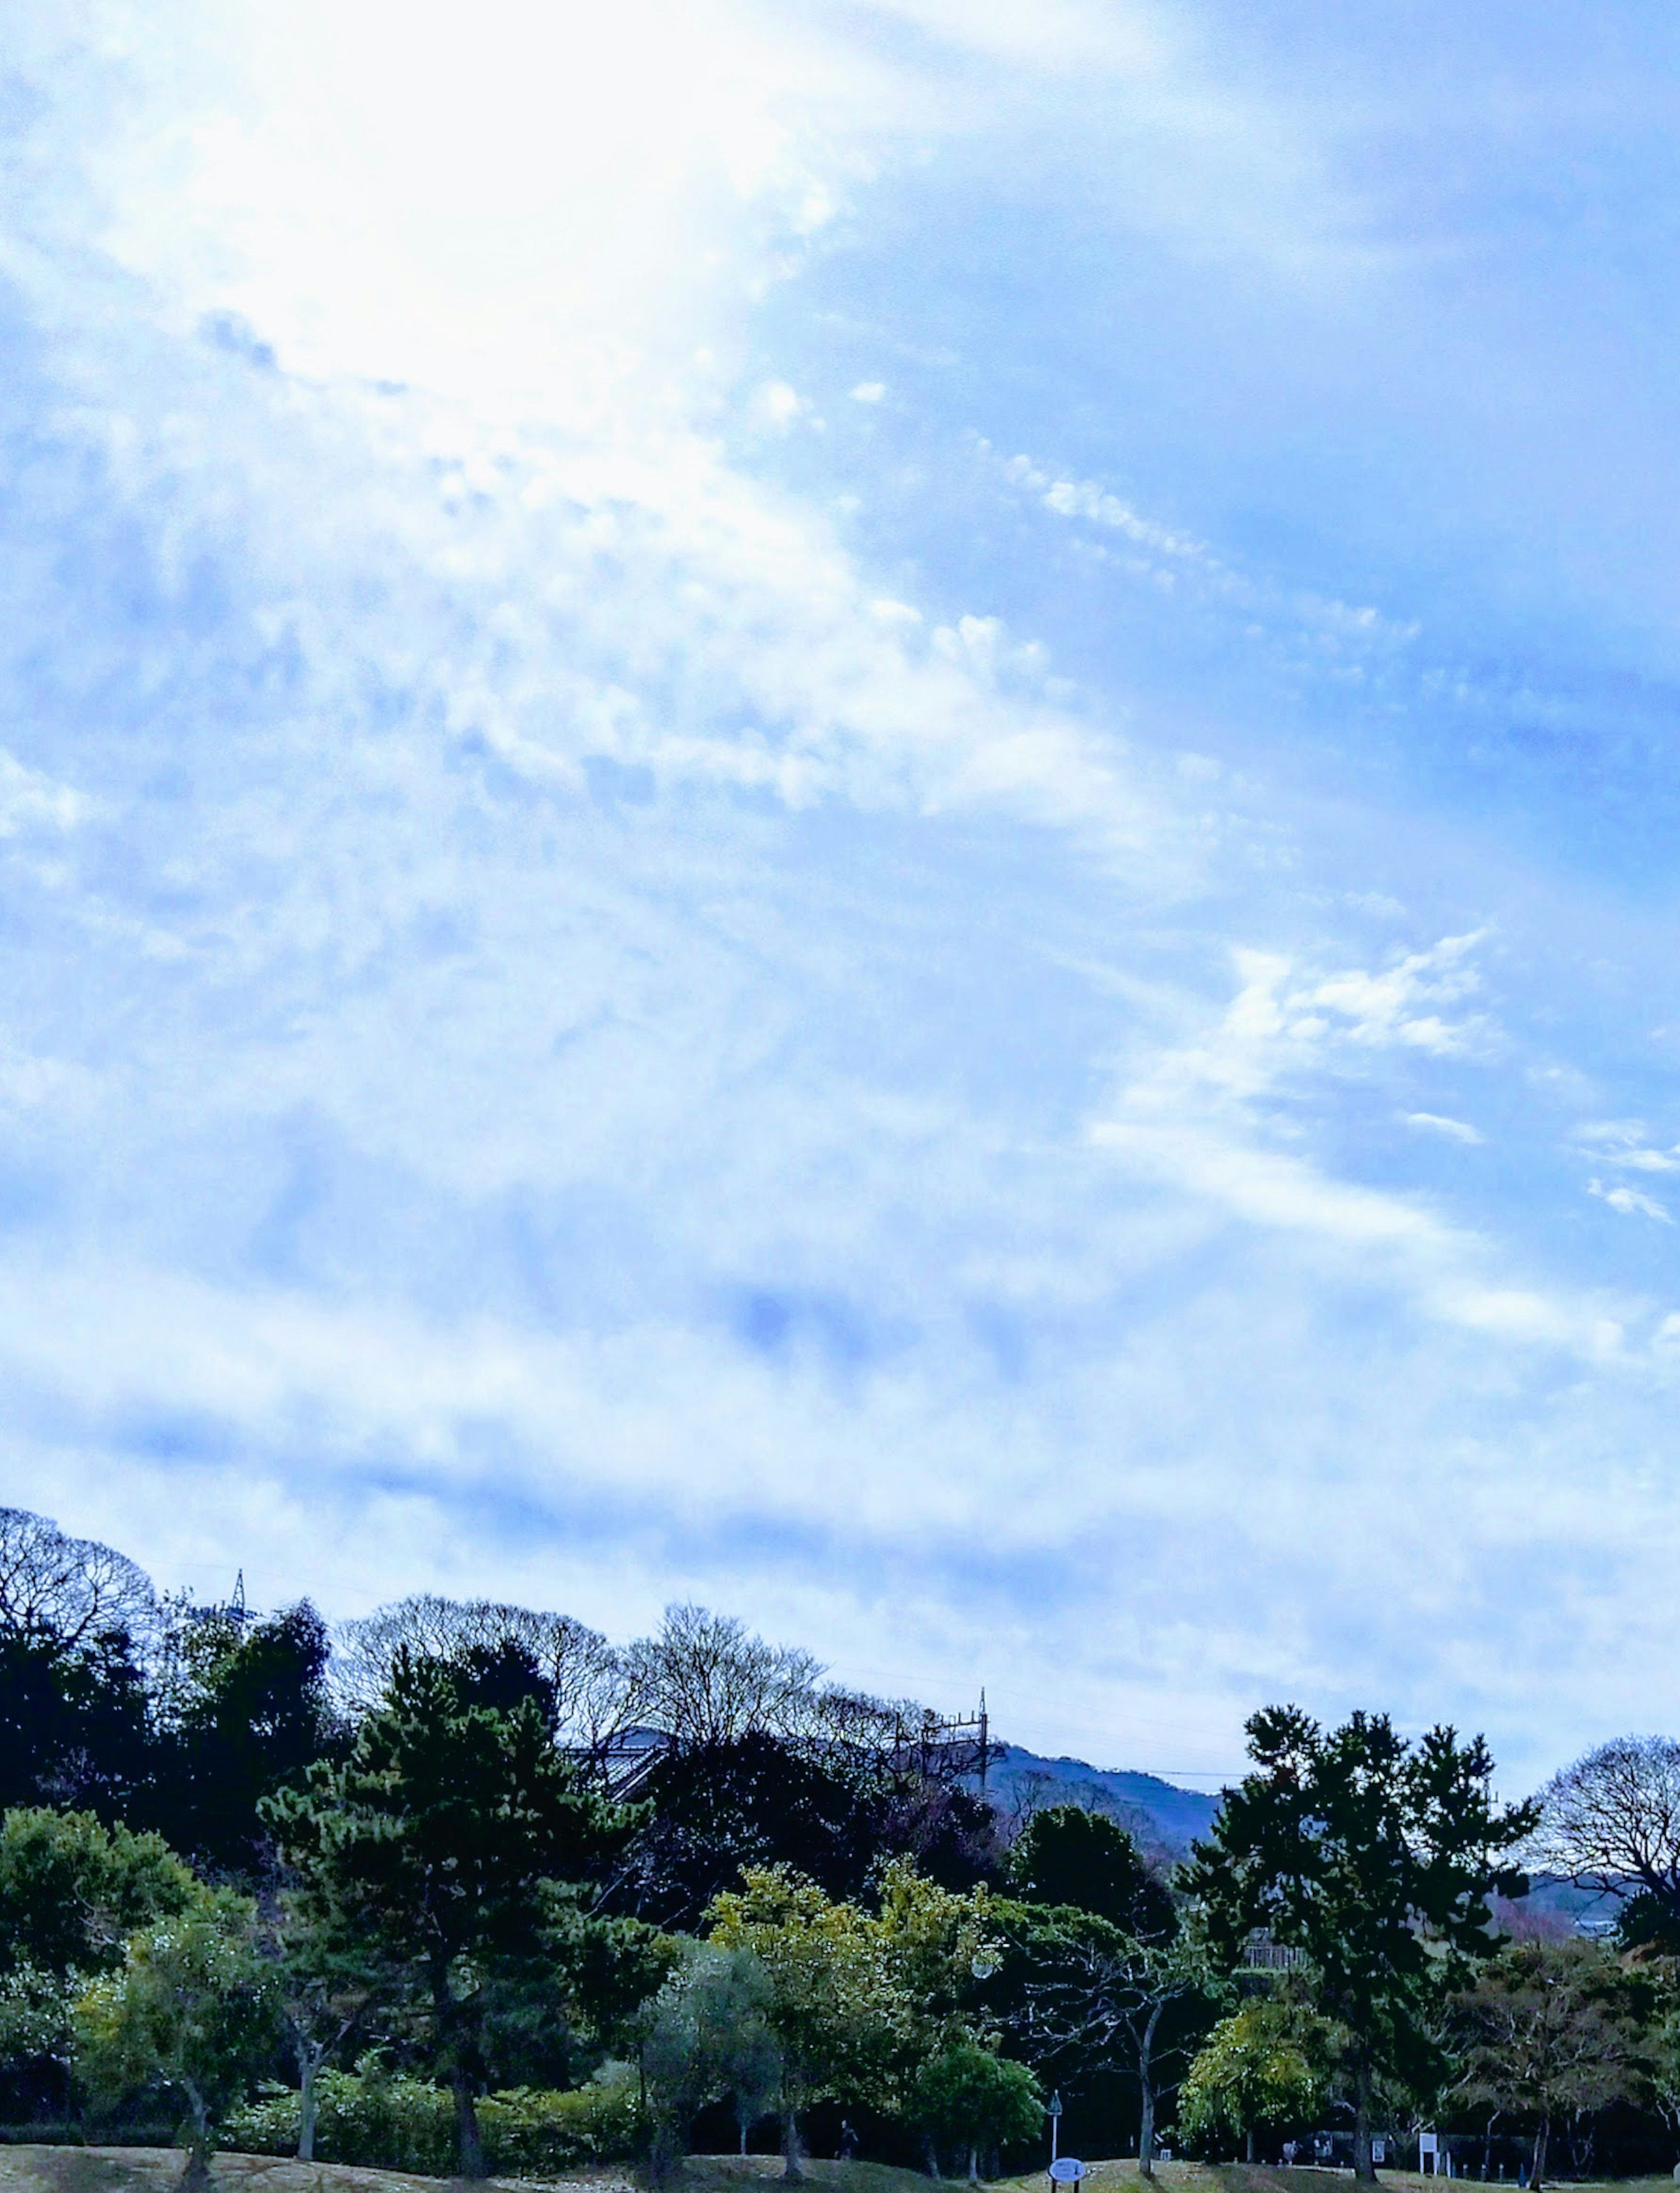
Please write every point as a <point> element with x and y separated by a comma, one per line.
<point>1433,1123</point>
<point>1630,1201</point>
<point>615,982</point>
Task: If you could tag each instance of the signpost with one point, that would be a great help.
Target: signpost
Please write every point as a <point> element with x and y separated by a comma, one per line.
<point>1053,2110</point>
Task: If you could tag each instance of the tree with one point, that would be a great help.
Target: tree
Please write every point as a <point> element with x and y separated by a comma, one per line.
<point>1553,2029</point>
<point>704,1680</point>
<point>73,1710</point>
<point>323,1986</point>
<point>834,2007</point>
<point>754,1800</point>
<point>1665,2047</point>
<point>1066,1854</point>
<point>580,1672</point>
<point>189,2011</point>
<point>968,2097</point>
<point>248,1711</point>
<point>448,1848</point>
<point>708,2037</point>
<point>1098,1997</point>
<point>66,1592</point>
<point>74,1726</point>
<point>1375,1859</point>
<point>1611,1822</point>
<point>935,1941</point>
<point>72,1893</point>
<point>1257,2071</point>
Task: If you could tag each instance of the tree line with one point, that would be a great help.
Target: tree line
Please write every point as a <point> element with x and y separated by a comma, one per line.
<point>466,1887</point>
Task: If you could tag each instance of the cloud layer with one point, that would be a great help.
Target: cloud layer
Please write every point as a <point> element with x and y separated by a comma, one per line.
<point>634,966</point>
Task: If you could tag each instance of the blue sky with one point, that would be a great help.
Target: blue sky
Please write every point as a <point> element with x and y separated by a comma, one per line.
<point>863,811</point>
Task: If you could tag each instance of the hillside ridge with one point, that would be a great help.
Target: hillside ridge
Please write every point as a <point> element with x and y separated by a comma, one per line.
<point>1165,1816</point>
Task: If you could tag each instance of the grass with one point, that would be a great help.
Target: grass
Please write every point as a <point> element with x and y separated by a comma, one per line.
<point>24,2169</point>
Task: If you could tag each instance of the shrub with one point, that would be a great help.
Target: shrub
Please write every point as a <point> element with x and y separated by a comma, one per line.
<point>532,2134</point>
<point>389,2120</point>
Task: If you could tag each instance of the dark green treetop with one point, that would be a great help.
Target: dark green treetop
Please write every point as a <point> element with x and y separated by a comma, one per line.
<point>1068,1855</point>
<point>1374,1858</point>
<point>453,1844</point>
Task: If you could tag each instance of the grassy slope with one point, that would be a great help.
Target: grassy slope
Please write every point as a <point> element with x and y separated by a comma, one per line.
<point>155,2170</point>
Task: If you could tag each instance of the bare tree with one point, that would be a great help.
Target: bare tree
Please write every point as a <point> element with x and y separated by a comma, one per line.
<point>581,1667</point>
<point>1102,2004</point>
<point>703,1678</point>
<point>1612,1821</point>
<point>55,1588</point>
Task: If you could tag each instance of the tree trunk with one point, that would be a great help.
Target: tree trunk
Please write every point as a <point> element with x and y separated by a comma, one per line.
<point>930,2154</point>
<point>1146,2050</point>
<point>1542,2136</point>
<point>741,2121</point>
<point>791,2158</point>
<point>306,2110</point>
<point>1251,2143</point>
<point>1145,2126</point>
<point>1363,2168</point>
<point>451,2024</point>
<point>195,2170</point>
<point>666,2152</point>
<point>974,2164</point>
<point>470,2148</point>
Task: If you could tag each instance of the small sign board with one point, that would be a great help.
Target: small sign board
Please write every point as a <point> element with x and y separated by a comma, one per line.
<point>1067,2170</point>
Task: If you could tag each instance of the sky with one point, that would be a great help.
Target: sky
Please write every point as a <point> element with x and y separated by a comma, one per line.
<point>865,811</point>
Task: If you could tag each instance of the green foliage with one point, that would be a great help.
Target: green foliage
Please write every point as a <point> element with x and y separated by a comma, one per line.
<point>34,2014</point>
<point>72,1891</point>
<point>932,1938</point>
<point>245,1710</point>
<point>708,2037</point>
<point>1374,1858</point>
<point>441,1849</point>
<point>190,2011</point>
<point>1067,1855</point>
<point>1663,2040</point>
<point>968,2097</point>
<point>373,2116</point>
<point>835,2008</point>
<point>1257,2071</point>
<point>532,2134</point>
<point>1553,2030</point>
<point>753,1800</point>
<point>385,2119</point>
<point>1649,1923</point>
<point>73,1721</point>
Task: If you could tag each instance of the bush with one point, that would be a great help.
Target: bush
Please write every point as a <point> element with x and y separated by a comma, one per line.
<point>529,2133</point>
<point>388,2120</point>
<point>383,2119</point>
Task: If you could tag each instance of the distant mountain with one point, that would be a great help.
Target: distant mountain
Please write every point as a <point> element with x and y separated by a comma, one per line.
<point>1165,1819</point>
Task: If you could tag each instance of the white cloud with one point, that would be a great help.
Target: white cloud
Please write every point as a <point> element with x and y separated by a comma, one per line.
<point>1628,1201</point>
<point>560,1065</point>
<point>1624,1142</point>
<point>30,800</point>
<point>1435,1123</point>
<point>1207,1117</point>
